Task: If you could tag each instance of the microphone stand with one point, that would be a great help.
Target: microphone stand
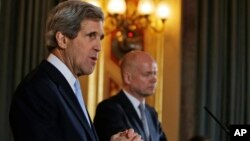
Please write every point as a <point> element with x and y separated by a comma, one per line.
<point>223,126</point>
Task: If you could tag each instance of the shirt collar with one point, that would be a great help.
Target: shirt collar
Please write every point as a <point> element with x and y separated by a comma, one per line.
<point>55,61</point>
<point>135,102</point>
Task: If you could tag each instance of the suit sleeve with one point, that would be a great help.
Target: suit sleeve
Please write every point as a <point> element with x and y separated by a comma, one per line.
<point>33,114</point>
<point>109,120</point>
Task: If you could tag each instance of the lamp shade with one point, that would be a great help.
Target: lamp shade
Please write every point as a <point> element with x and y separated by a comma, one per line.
<point>116,6</point>
<point>162,10</point>
<point>145,7</point>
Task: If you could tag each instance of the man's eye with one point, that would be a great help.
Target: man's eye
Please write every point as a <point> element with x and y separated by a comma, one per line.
<point>92,35</point>
<point>146,74</point>
<point>150,74</point>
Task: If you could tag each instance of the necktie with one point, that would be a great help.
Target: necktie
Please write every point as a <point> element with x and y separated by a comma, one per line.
<point>78,94</point>
<point>144,121</point>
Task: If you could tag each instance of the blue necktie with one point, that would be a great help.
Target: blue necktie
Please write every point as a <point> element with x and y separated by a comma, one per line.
<point>144,121</point>
<point>78,94</point>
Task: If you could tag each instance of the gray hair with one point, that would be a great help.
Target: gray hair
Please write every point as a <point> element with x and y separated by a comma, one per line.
<point>66,17</point>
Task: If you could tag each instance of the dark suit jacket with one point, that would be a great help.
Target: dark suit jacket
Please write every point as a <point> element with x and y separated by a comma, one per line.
<point>44,108</point>
<point>117,114</point>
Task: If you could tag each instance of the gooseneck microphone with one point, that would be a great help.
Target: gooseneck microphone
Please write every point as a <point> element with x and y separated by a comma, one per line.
<point>223,126</point>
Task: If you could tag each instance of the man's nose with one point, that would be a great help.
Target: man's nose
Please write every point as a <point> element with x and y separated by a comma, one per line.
<point>154,78</point>
<point>98,46</point>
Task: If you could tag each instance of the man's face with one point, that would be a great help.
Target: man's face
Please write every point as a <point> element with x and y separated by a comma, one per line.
<point>82,51</point>
<point>144,78</point>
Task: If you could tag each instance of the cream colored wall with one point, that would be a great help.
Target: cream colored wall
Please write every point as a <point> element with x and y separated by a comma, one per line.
<point>166,49</point>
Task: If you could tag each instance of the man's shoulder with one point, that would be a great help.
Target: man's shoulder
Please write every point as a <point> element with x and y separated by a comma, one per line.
<point>35,76</point>
<point>112,102</point>
<point>35,82</point>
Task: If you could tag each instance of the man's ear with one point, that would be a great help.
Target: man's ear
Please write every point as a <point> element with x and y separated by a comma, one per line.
<point>127,77</point>
<point>61,40</point>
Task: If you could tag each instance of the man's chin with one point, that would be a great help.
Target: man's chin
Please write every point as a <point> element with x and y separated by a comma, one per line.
<point>148,94</point>
<point>88,72</point>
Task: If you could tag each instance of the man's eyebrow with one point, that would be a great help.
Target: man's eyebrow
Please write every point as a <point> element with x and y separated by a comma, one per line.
<point>96,33</point>
<point>91,32</point>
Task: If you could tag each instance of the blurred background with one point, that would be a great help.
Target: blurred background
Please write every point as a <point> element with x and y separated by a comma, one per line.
<point>202,48</point>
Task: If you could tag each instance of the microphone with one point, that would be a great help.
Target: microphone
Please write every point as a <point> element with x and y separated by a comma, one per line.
<point>223,126</point>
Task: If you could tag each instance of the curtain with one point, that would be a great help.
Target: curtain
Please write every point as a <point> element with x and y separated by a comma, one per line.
<point>216,51</point>
<point>22,26</point>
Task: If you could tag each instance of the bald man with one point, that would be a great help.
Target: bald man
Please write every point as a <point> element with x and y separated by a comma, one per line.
<point>122,111</point>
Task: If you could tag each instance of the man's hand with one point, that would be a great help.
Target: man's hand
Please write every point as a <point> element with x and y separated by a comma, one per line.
<point>127,135</point>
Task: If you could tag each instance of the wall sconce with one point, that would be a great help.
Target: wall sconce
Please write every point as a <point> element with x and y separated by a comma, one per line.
<point>126,21</point>
<point>134,14</point>
<point>137,14</point>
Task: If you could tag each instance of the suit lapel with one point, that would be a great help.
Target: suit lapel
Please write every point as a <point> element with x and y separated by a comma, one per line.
<point>150,124</point>
<point>75,107</point>
<point>131,113</point>
<point>68,96</point>
<point>93,129</point>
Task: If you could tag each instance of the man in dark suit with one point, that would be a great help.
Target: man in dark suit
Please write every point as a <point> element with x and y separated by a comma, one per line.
<point>48,104</point>
<point>124,110</point>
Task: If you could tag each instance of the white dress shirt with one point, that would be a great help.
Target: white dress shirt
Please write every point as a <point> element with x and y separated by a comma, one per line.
<point>70,78</point>
<point>135,102</point>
